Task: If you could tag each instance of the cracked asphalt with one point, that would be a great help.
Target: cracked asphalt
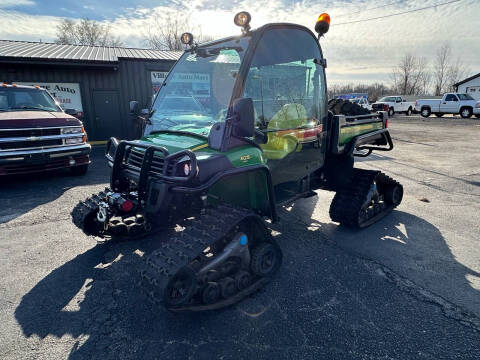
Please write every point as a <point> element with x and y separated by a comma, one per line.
<point>407,287</point>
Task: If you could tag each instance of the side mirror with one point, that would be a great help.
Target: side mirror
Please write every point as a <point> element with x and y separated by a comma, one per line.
<point>244,118</point>
<point>134,107</point>
<point>145,112</point>
<point>72,112</point>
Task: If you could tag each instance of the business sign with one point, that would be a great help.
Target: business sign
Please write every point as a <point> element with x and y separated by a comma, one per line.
<point>197,84</point>
<point>67,94</point>
<point>157,79</point>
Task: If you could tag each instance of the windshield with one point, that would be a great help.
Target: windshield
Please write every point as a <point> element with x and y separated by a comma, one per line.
<point>387,99</point>
<point>465,97</point>
<point>197,92</point>
<point>20,99</point>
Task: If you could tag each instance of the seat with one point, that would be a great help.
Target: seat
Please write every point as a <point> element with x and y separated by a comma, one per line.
<point>283,130</point>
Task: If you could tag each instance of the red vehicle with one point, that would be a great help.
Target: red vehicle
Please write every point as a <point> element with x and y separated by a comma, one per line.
<point>37,135</point>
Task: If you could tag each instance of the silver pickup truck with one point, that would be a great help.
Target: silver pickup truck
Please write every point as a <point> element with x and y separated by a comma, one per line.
<point>451,103</point>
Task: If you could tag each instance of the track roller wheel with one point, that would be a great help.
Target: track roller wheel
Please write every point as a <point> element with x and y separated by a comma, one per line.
<point>181,287</point>
<point>394,194</point>
<point>227,287</point>
<point>266,259</point>
<point>211,293</point>
<point>242,280</point>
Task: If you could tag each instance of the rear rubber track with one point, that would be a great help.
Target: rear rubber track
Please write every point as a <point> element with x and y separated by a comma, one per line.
<point>348,201</point>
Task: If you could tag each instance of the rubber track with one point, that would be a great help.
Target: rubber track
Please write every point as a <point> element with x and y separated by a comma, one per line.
<point>162,264</point>
<point>347,203</point>
<point>84,208</point>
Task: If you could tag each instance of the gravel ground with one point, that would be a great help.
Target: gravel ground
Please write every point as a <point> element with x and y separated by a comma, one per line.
<point>407,287</point>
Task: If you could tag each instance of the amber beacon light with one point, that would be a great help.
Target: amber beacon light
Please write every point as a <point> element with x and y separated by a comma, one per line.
<point>323,24</point>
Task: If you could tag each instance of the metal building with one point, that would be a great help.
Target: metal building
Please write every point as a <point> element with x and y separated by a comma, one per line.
<point>470,86</point>
<point>98,81</point>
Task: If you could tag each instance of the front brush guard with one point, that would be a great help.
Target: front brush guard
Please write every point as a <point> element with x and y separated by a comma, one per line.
<point>168,171</point>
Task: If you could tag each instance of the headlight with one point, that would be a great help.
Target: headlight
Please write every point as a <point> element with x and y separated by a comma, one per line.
<point>187,168</point>
<point>72,141</point>
<point>184,168</point>
<point>72,130</point>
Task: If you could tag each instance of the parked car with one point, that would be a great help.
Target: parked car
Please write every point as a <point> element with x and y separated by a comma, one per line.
<point>37,135</point>
<point>396,104</point>
<point>451,103</point>
<point>362,102</point>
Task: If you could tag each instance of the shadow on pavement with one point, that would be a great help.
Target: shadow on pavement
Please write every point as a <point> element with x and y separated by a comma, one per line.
<point>323,303</point>
<point>20,194</point>
<point>407,244</point>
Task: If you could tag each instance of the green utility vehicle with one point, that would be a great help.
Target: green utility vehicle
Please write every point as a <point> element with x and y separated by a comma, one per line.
<point>239,128</point>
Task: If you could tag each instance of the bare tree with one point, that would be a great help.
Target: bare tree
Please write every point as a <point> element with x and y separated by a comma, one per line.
<point>441,66</point>
<point>457,71</point>
<point>408,74</point>
<point>85,32</point>
<point>447,70</point>
<point>425,82</point>
<point>163,33</point>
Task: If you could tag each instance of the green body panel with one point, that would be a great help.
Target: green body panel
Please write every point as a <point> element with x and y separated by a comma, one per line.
<point>347,133</point>
<point>248,190</point>
<point>239,157</point>
<point>173,142</point>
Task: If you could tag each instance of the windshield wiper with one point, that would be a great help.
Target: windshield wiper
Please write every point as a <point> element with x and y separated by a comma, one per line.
<point>179,132</point>
<point>209,52</point>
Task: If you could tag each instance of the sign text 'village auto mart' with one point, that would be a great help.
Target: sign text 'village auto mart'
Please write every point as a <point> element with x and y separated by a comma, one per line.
<point>67,94</point>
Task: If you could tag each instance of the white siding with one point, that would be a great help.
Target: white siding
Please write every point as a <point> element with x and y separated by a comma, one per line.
<point>472,88</point>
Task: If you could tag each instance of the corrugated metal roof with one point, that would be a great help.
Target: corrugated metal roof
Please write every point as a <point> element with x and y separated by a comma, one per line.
<point>24,50</point>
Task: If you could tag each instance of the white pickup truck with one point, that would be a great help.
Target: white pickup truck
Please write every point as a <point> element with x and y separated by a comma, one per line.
<point>451,103</point>
<point>396,104</point>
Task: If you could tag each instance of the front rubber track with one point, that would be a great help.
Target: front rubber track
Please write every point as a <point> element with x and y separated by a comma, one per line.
<point>160,267</point>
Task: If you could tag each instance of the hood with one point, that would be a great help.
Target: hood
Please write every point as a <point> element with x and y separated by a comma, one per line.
<point>175,142</point>
<point>33,119</point>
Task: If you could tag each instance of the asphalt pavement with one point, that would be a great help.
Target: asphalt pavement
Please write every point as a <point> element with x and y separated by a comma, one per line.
<point>405,288</point>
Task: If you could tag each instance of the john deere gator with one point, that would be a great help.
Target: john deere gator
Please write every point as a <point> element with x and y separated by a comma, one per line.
<point>240,127</point>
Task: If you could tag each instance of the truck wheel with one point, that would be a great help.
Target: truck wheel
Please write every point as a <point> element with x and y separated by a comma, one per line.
<point>466,113</point>
<point>79,170</point>
<point>425,112</point>
<point>438,115</point>
<point>409,111</point>
<point>391,112</point>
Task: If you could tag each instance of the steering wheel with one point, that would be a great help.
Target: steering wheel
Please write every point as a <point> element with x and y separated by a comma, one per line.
<point>260,136</point>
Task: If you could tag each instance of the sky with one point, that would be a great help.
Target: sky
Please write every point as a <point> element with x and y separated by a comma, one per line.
<point>362,52</point>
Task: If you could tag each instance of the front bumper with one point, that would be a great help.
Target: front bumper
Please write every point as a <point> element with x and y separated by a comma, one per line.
<point>17,162</point>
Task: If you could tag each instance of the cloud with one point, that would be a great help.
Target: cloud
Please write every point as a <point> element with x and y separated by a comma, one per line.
<point>364,51</point>
<point>4,4</point>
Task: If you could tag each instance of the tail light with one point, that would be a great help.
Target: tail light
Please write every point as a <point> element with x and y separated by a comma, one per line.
<point>386,123</point>
<point>415,104</point>
<point>127,206</point>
